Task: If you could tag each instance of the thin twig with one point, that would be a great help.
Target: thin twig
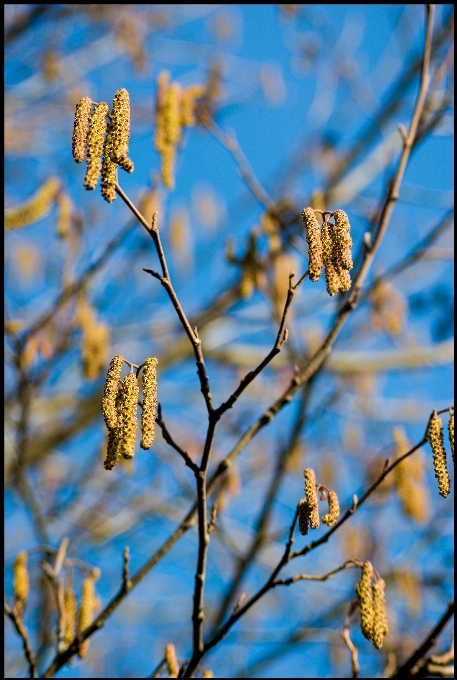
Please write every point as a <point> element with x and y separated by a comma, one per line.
<point>347,639</point>
<point>21,630</point>
<point>169,439</point>
<point>126,582</point>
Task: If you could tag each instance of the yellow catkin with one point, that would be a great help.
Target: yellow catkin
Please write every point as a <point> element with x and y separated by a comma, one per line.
<point>120,119</point>
<point>311,497</point>
<point>408,478</point>
<point>95,143</point>
<point>451,433</point>
<point>70,617</point>
<point>331,517</point>
<point>303,517</point>
<point>109,169</point>
<point>332,275</point>
<point>380,627</point>
<point>313,238</point>
<point>89,604</point>
<point>345,280</point>
<point>113,448</point>
<point>365,596</point>
<point>129,402</point>
<point>21,581</point>
<point>342,240</point>
<point>189,103</point>
<point>160,134</point>
<point>172,114</point>
<point>168,166</point>
<point>35,208</point>
<point>81,128</point>
<point>94,348</point>
<point>207,674</point>
<point>171,661</point>
<point>64,213</point>
<point>149,384</point>
<point>439,455</point>
<point>110,392</point>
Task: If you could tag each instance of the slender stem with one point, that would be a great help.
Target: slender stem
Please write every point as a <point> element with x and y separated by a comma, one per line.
<point>21,630</point>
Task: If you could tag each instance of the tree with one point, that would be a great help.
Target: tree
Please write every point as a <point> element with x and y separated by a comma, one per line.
<point>286,349</point>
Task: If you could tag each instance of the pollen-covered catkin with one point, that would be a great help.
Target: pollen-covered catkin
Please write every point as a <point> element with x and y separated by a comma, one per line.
<point>380,627</point>
<point>70,617</point>
<point>313,239</point>
<point>64,213</point>
<point>171,661</point>
<point>110,392</point>
<point>129,403</point>
<point>311,497</point>
<point>21,581</point>
<point>120,119</point>
<point>365,596</point>
<point>109,167</point>
<point>303,516</point>
<point>189,102</point>
<point>331,517</point>
<point>332,275</point>
<point>35,208</point>
<point>149,384</point>
<point>86,611</point>
<point>81,128</point>
<point>439,455</point>
<point>342,240</point>
<point>172,114</point>
<point>450,427</point>
<point>114,445</point>
<point>95,141</point>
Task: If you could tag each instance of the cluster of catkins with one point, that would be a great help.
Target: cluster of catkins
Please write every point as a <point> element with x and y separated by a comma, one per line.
<point>308,508</point>
<point>435,435</point>
<point>74,620</point>
<point>175,109</point>
<point>94,136</point>
<point>329,246</point>
<point>372,602</point>
<point>119,404</point>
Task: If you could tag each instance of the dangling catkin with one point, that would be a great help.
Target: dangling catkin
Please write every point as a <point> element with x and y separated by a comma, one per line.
<point>120,119</point>
<point>81,128</point>
<point>129,402</point>
<point>114,444</point>
<point>331,517</point>
<point>303,517</point>
<point>365,597</point>
<point>21,581</point>
<point>95,142</point>
<point>171,661</point>
<point>149,384</point>
<point>313,238</point>
<point>311,498</point>
<point>35,208</point>
<point>110,392</point>
<point>342,240</point>
<point>70,617</point>
<point>451,433</point>
<point>380,627</point>
<point>332,276</point>
<point>439,454</point>
<point>86,611</point>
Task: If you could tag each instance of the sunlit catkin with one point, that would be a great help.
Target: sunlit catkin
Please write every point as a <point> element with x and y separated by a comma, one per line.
<point>86,611</point>
<point>313,238</point>
<point>451,433</point>
<point>21,581</point>
<point>342,240</point>
<point>439,454</point>
<point>303,516</point>
<point>81,128</point>
<point>129,402</point>
<point>35,208</point>
<point>120,119</point>
<point>189,102</point>
<point>114,444</point>
<point>172,114</point>
<point>331,517</point>
<point>380,627</point>
<point>64,213</point>
<point>70,617</point>
<point>95,141</point>
<point>110,392</point>
<point>365,596</point>
<point>332,276</point>
<point>149,384</point>
<point>171,661</point>
<point>311,497</point>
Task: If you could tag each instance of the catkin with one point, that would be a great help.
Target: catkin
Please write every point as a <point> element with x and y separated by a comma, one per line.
<point>129,402</point>
<point>120,120</point>
<point>303,517</point>
<point>21,581</point>
<point>313,238</point>
<point>451,433</point>
<point>171,661</point>
<point>380,627</point>
<point>81,128</point>
<point>35,208</point>
<point>331,517</point>
<point>439,454</point>
<point>70,617</point>
<point>365,596</point>
<point>189,102</point>
<point>86,611</point>
<point>64,212</point>
<point>342,240</point>
<point>110,392</point>
<point>311,497</point>
<point>332,275</point>
<point>172,114</point>
<point>114,444</point>
<point>149,384</point>
<point>95,143</point>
